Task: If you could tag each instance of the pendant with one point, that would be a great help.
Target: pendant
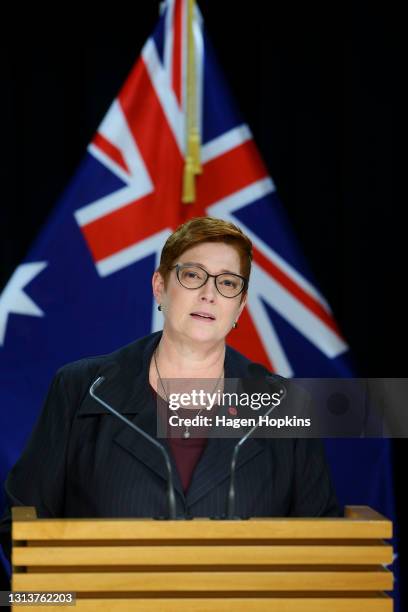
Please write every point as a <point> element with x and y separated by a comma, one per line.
<point>186,434</point>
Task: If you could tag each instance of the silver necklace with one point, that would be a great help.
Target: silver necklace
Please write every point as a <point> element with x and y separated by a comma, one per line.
<point>186,432</point>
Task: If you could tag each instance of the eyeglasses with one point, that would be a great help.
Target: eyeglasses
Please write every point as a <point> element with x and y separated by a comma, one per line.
<point>193,277</point>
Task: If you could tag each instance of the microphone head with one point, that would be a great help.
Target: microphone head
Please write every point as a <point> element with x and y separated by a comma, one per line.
<point>257,370</point>
<point>96,384</point>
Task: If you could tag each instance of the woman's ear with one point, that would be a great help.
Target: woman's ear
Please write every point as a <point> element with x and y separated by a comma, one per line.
<point>241,306</point>
<point>158,287</point>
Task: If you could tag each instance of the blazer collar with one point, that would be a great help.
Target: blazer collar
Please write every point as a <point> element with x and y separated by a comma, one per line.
<point>126,373</point>
<point>126,384</point>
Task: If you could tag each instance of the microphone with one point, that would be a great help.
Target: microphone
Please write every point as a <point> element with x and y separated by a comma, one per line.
<point>171,498</point>
<point>256,369</point>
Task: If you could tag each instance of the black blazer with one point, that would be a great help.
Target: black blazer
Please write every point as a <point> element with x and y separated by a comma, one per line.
<point>82,462</point>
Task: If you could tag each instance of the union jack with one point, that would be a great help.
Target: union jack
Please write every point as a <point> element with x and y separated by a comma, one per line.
<point>142,141</point>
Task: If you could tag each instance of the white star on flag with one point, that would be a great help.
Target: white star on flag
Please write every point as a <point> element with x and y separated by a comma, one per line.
<point>14,300</point>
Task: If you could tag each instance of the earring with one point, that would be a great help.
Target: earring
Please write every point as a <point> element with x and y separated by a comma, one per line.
<point>235,325</point>
<point>159,307</point>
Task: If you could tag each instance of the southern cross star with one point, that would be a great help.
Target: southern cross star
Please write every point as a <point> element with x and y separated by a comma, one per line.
<point>14,300</point>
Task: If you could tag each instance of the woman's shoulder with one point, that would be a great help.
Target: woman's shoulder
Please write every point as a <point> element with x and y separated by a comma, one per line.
<point>121,355</point>
<point>126,359</point>
<point>235,362</point>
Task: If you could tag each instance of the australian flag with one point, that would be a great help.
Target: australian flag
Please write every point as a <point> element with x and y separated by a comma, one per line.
<point>85,287</point>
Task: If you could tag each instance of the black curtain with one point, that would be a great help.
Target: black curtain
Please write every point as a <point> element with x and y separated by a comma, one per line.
<point>320,91</point>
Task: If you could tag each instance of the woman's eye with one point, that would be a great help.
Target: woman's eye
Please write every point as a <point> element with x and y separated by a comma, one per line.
<point>229,283</point>
<point>192,275</point>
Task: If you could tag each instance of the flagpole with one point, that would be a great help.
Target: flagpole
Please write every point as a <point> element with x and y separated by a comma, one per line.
<point>192,164</point>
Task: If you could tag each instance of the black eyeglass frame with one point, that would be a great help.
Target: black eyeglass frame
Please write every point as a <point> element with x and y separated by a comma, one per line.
<point>214,276</point>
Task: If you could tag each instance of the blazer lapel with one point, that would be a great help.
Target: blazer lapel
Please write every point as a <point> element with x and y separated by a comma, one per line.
<point>215,465</point>
<point>144,450</point>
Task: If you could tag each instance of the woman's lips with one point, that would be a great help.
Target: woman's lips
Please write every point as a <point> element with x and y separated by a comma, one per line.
<point>206,317</point>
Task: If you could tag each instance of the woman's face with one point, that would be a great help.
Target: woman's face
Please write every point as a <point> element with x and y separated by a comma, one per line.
<point>184,309</point>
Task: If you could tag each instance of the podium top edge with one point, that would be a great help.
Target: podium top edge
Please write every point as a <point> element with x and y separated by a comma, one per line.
<point>359,522</point>
<point>361,513</point>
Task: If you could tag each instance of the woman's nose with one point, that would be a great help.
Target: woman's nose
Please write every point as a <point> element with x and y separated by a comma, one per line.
<point>208,291</point>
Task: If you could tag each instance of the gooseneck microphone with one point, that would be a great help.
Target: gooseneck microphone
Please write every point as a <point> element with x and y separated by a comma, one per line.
<point>259,370</point>
<point>171,498</point>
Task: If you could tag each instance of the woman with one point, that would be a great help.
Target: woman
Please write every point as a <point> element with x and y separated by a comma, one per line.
<point>83,462</point>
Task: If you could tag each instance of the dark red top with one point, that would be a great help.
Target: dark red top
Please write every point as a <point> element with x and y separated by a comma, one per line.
<point>186,453</point>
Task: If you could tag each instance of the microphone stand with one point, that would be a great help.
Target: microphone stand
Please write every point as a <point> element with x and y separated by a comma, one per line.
<point>237,448</point>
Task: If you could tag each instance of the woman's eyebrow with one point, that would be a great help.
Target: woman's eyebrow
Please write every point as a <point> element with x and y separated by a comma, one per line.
<point>200,265</point>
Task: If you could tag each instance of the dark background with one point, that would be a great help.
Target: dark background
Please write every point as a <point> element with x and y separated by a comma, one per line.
<point>321,94</point>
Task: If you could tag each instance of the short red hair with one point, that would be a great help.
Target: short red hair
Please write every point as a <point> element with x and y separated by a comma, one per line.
<point>205,229</point>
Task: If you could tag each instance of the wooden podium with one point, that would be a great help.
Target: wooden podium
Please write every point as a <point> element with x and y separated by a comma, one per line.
<point>262,564</point>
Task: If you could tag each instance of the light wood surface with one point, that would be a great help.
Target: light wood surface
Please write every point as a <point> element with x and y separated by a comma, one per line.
<point>273,564</point>
<point>314,554</point>
<point>229,605</point>
<point>142,529</point>
<point>211,582</point>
